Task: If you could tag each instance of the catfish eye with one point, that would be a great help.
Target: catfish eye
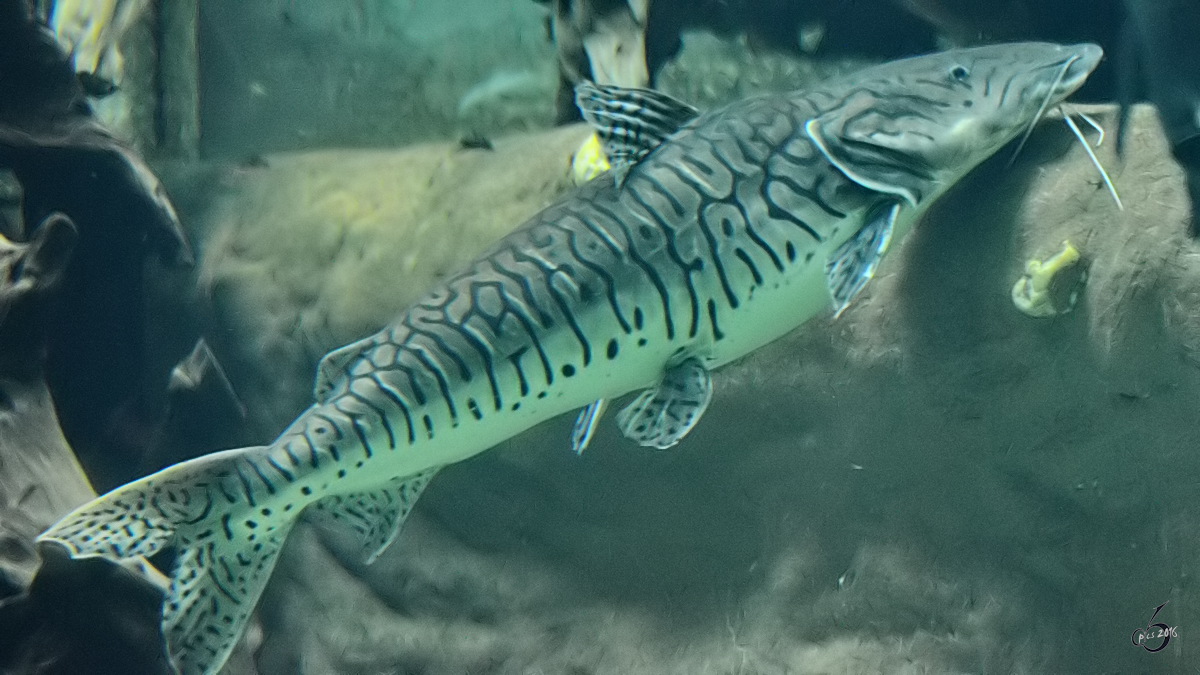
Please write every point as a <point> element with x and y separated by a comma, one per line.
<point>960,73</point>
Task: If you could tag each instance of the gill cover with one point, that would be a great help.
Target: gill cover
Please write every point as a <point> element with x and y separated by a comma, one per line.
<point>865,138</point>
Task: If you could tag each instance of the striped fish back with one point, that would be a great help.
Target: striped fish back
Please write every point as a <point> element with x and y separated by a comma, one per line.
<point>725,213</point>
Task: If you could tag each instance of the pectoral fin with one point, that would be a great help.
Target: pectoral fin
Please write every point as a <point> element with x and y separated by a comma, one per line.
<point>852,264</point>
<point>585,425</point>
<point>374,517</point>
<point>661,417</point>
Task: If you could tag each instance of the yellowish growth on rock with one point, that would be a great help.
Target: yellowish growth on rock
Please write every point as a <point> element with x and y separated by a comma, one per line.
<point>589,161</point>
<point>1032,292</point>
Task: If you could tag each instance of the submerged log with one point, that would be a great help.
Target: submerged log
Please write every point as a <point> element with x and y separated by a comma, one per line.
<point>39,478</point>
<point>179,68</point>
<point>89,617</point>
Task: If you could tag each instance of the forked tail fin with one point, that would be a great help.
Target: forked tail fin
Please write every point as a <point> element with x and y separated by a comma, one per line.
<point>225,548</point>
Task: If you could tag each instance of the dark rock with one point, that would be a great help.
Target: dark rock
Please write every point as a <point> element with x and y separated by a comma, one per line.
<point>83,617</point>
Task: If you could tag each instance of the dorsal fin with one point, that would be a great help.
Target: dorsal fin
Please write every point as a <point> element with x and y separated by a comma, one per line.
<point>630,122</point>
<point>334,366</point>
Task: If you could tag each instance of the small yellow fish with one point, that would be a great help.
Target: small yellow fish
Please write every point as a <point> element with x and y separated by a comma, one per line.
<point>589,161</point>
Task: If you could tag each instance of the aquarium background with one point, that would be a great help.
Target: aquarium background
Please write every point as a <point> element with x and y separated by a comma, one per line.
<point>286,76</point>
<point>931,483</point>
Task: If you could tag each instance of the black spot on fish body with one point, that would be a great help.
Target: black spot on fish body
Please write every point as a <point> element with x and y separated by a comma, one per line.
<point>790,250</point>
<point>638,318</point>
<point>642,342</point>
<point>611,352</point>
<point>568,370</point>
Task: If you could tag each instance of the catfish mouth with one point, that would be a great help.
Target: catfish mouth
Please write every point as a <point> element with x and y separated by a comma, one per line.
<point>1077,67</point>
<point>1072,72</point>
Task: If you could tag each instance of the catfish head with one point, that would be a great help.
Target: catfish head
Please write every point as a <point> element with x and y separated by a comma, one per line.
<point>912,128</point>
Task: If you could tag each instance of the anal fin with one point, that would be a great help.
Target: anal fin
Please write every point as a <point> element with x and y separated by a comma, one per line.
<point>853,263</point>
<point>662,416</point>
<point>585,425</point>
<point>374,517</point>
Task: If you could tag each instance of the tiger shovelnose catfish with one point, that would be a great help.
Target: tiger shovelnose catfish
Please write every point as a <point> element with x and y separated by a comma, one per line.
<point>715,234</point>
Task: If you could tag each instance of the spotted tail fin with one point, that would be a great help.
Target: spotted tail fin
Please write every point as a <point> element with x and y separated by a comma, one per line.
<point>225,548</point>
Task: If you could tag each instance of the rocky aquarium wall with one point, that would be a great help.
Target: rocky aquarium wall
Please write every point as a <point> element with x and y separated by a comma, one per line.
<point>934,481</point>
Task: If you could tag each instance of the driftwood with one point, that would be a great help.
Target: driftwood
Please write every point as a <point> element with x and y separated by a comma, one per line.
<point>74,332</point>
<point>68,163</point>
<point>73,617</point>
<point>39,479</point>
<point>66,617</point>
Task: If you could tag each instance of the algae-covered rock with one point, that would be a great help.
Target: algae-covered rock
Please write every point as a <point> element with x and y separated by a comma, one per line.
<point>309,251</point>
